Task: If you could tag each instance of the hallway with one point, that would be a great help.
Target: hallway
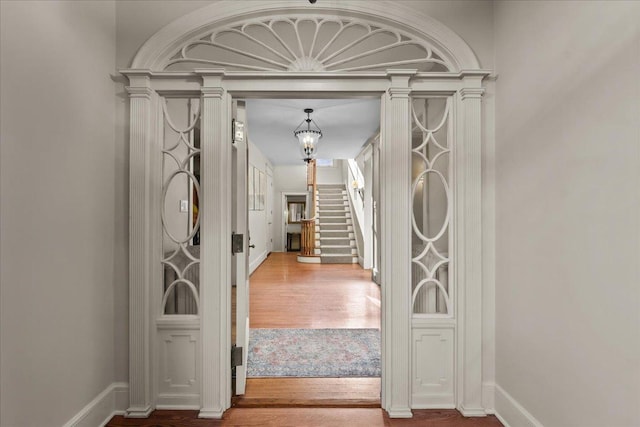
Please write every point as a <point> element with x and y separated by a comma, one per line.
<point>287,294</point>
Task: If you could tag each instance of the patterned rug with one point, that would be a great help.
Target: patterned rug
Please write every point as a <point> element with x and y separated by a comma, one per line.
<point>314,353</point>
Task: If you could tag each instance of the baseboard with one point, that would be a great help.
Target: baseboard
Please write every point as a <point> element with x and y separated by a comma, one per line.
<point>111,401</point>
<point>400,413</point>
<point>511,413</point>
<point>210,413</point>
<point>489,397</point>
<point>256,262</point>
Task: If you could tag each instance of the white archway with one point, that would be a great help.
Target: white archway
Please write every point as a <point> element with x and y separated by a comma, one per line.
<point>412,342</point>
<point>162,45</point>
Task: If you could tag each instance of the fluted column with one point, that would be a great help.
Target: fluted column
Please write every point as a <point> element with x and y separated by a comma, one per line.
<point>469,248</point>
<point>216,247</point>
<point>395,159</point>
<point>142,110</point>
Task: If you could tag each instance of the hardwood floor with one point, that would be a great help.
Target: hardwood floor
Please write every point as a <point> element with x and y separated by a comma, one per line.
<point>307,417</point>
<point>287,294</point>
<point>310,392</point>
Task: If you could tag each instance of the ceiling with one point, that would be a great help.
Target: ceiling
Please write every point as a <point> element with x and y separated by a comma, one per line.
<point>346,125</point>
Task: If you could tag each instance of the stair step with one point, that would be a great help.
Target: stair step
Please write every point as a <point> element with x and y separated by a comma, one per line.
<point>324,212</point>
<point>340,250</point>
<point>331,197</point>
<point>342,234</point>
<point>331,190</point>
<point>336,241</point>
<point>336,227</point>
<point>335,220</point>
<point>328,186</point>
<point>338,259</point>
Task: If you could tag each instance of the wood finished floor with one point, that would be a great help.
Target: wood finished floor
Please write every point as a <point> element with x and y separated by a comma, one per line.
<point>307,417</point>
<point>287,294</point>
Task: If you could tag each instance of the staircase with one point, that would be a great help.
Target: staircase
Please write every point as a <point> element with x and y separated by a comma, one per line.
<point>334,229</point>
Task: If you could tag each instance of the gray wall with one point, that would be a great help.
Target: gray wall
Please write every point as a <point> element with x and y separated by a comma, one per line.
<point>58,184</point>
<point>568,211</point>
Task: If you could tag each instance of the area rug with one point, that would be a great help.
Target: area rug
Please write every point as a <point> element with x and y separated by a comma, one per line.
<point>314,353</point>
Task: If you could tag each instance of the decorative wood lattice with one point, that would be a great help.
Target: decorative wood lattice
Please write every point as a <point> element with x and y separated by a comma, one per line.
<point>307,43</point>
<point>431,207</point>
<point>181,246</point>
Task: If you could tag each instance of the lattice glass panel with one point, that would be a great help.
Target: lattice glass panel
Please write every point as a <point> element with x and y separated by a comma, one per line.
<point>431,206</point>
<point>180,205</point>
<point>307,43</point>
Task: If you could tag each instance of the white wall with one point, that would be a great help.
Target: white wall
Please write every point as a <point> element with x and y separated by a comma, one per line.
<point>568,212</point>
<point>58,185</point>
<point>330,175</point>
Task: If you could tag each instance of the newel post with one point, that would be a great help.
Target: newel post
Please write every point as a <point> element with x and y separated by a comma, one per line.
<point>143,104</point>
<point>215,295</point>
<point>395,183</point>
<point>469,246</point>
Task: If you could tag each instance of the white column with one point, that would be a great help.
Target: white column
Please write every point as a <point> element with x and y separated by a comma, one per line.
<point>469,247</point>
<point>395,182</point>
<point>142,106</point>
<point>215,262</point>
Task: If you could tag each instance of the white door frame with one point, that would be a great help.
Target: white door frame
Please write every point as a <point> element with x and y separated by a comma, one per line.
<point>216,87</point>
<point>283,234</point>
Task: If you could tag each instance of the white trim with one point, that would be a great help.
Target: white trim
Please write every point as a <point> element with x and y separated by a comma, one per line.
<point>511,413</point>
<point>257,262</point>
<point>394,86</point>
<point>111,401</point>
<point>215,270</point>
<point>283,232</point>
<point>489,397</point>
<point>309,259</point>
<point>163,44</point>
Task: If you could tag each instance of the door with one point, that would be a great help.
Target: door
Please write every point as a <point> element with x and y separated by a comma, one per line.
<point>269,211</point>
<point>240,259</point>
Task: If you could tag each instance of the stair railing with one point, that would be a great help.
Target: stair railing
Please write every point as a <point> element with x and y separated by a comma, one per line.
<point>308,225</point>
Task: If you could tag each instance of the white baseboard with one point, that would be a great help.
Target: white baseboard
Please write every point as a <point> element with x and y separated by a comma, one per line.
<point>111,401</point>
<point>489,397</point>
<point>256,262</point>
<point>511,413</point>
<point>212,414</point>
<point>400,413</point>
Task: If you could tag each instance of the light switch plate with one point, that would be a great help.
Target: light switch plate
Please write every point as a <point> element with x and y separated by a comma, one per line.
<point>184,206</point>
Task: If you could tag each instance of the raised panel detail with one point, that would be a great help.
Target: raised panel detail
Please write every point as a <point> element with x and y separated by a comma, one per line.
<point>179,370</point>
<point>432,360</point>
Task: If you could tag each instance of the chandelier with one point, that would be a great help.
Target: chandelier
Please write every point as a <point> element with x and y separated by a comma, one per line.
<point>308,137</point>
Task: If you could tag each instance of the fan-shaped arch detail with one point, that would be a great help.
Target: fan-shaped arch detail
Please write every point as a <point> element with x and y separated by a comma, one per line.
<point>305,43</point>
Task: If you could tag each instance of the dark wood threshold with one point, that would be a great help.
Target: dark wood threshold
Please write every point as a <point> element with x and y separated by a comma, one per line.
<point>244,402</point>
<point>288,392</point>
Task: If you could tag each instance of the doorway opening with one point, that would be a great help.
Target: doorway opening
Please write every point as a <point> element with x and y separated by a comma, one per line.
<point>314,329</point>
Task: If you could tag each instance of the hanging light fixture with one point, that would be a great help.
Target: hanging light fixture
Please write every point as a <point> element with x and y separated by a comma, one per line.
<point>308,137</point>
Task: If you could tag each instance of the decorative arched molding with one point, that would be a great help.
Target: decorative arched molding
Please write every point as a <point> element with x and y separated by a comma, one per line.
<point>156,53</point>
<point>409,342</point>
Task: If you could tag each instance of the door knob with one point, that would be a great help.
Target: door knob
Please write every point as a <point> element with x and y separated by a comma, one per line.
<point>252,246</point>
